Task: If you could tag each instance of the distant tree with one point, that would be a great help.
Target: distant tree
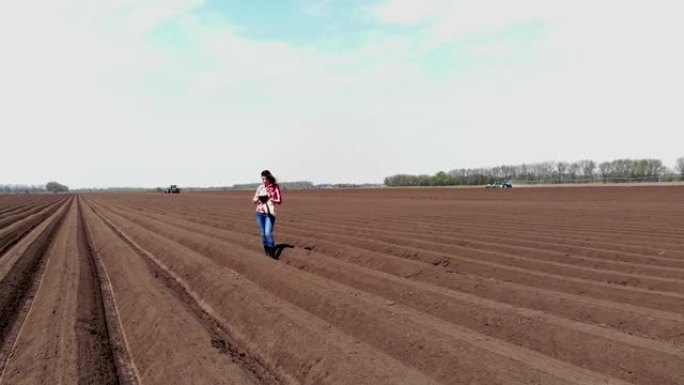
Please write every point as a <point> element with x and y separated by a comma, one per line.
<point>588,167</point>
<point>542,171</point>
<point>441,179</point>
<point>640,169</point>
<point>573,170</point>
<point>55,187</point>
<point>561,167</point>
<point>622,170</point>
<point>679,166</point>
<point>523,172</point>
<point>605,170</point>
<point>424,180</point>
<point>654,169</point>
<point>668,175</point>
<point>458,176</point>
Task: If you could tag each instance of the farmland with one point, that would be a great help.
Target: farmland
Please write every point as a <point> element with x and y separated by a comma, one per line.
<point>544,286</point>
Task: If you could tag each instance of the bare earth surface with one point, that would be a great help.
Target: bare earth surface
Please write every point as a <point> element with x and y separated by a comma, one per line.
<point>545,286</point>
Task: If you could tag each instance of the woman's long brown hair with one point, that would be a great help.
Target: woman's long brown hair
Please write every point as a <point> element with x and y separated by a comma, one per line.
<point>270,177</point>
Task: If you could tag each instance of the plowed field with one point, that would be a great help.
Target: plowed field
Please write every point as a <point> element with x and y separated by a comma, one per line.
<point>544,286</point>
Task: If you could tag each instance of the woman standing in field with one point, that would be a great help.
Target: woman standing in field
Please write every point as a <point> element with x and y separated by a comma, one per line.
<point>267,195</point>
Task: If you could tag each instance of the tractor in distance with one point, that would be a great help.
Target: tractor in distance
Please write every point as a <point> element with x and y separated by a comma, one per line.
<point>173,189</point>
<point>502,184</point>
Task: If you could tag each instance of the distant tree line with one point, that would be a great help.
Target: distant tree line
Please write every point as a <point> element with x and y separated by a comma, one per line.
<point>55,187</point>
<point>583,171</point>
<point>50,187</point>
<point>112,189</point>
<point>296,185</point>
<point>22,189</point>
<point>347,185</point>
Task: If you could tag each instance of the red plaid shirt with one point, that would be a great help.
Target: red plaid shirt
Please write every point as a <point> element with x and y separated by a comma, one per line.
<point>273,192</point>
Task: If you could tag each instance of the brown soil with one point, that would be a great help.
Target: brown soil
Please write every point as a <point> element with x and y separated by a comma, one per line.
<point>386,286</point>
<point>18,225</point>
<point>97,363</point>
<point>19,285</point>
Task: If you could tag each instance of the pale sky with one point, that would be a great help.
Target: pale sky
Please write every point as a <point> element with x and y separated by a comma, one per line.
<point>209,93</point>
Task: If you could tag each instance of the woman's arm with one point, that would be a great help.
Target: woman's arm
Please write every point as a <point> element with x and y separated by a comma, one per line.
<point>255,200</point>
<point>277,196</point>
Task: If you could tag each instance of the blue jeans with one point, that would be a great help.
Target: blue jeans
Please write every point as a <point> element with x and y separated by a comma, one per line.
<point>266,224</point>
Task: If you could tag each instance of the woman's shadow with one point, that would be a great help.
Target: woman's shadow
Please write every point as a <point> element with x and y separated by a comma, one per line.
<point>279,249</point>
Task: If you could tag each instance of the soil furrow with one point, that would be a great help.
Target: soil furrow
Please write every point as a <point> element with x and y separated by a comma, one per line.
<point>221,337</point>
<point>630,319</point>
<point>24,204</point>
<point>601,347</point>
<point>18,287</point>
<point>522,286</point>
<point>470,266</point>
<point>570,254</point>
<point>653,286</point>
<point>310,295</point>
<point>103,357</point>
<point>647,266</point>
<point>8,220</point>
<point>501,239</point>
<point>10,235</point>
<point>305,348</point>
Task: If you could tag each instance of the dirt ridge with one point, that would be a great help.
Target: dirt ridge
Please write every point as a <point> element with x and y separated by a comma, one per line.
<point>10,238</point>
<point>372,287</point>
<point>360,309</point>
<point>103,356</point>
<point>222,338</point>
<point>20,285</point>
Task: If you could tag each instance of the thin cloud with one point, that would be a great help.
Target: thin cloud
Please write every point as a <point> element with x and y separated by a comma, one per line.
<point>318,8</point>
<point>100,102</point>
